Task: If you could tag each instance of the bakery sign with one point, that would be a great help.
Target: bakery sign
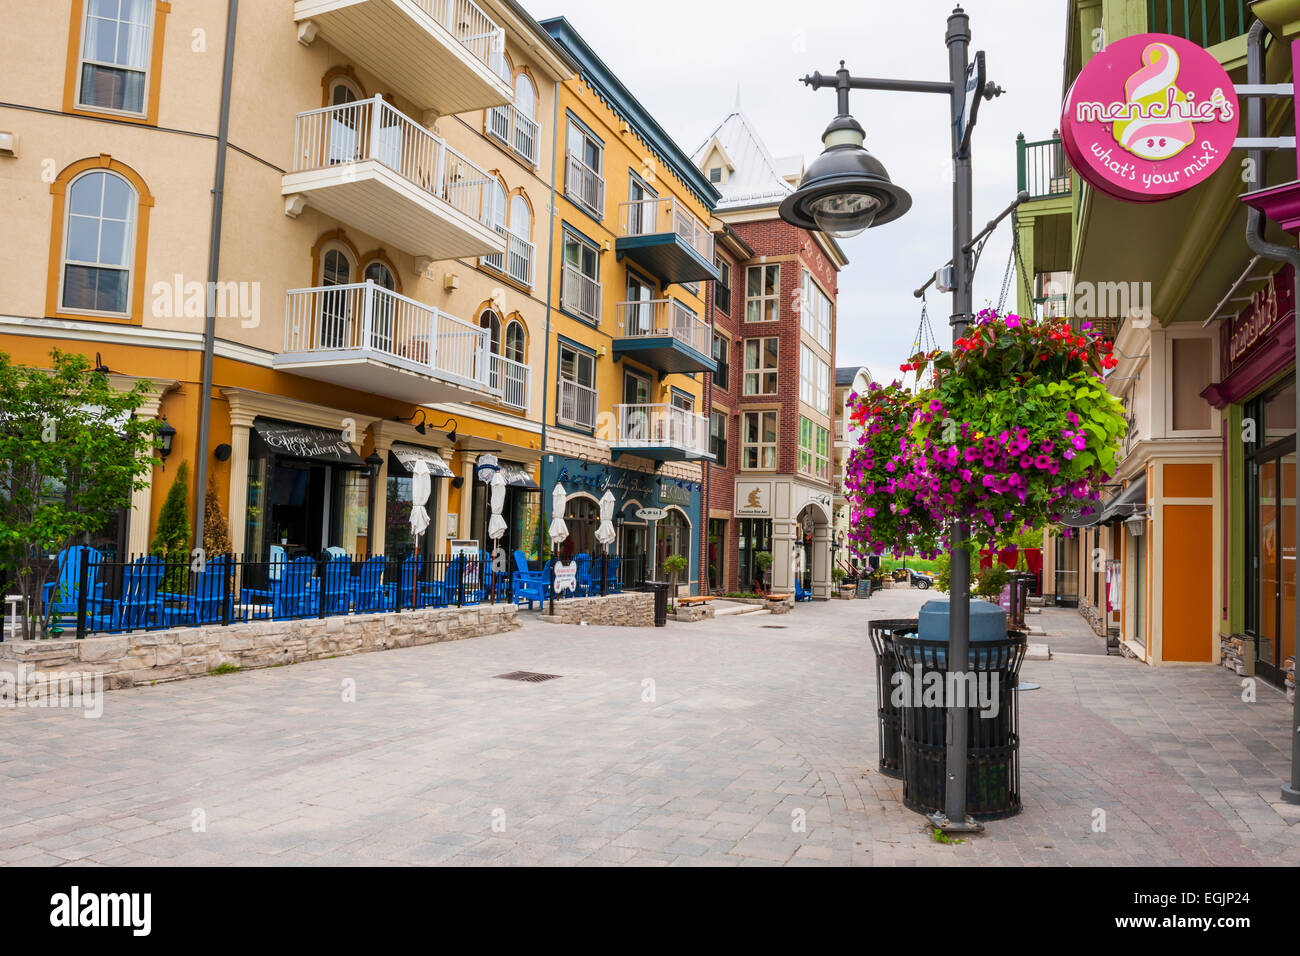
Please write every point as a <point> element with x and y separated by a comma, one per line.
<point>1149,117</point>
<point>1248,333</point>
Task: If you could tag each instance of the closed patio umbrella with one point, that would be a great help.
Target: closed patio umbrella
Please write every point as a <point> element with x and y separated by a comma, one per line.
<point>497,494</point>
<point>420,487</point>
<point>559,530</point>
<point>605,530</point>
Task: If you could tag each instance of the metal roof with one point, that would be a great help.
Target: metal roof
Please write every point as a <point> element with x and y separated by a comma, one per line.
<point>755,178</point>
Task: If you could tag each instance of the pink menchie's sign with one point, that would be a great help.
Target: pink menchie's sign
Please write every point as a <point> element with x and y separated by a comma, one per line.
<point>1150,117</point>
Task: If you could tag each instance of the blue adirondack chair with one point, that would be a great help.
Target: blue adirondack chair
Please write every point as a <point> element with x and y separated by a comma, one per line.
<point>337,586</point>
<point>799,593</point>
<point>529,585</point>
<point>297,593</point>
<point>370,593</point>
<point>61,595</point>
<point>203,603</point>
<point>614,584</point>
<point>139,606</point>
<point>585,580</point>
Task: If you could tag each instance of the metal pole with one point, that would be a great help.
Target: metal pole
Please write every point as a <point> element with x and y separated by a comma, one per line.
<point>214,273</point>
<point>954,815</point>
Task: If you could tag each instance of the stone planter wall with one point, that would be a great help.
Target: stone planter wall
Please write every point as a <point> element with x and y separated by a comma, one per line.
<point>631,609</point>
<point>145,657</point>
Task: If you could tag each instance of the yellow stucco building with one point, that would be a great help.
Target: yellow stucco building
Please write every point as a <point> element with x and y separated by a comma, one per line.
<point>399,230</point>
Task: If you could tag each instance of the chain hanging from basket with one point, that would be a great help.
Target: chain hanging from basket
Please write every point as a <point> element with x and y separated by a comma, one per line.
<point>923,343</point>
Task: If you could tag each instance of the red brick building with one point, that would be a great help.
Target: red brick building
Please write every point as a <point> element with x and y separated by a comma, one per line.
<point>771,409</point>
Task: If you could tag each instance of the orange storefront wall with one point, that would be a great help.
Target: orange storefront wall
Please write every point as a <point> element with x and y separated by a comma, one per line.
<point>1188,583</point>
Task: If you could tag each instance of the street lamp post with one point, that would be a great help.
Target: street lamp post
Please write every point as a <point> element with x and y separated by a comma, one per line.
<point>845,191</point>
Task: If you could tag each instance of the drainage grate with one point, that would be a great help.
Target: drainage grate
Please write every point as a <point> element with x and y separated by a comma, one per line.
<point>775,627</point>
<point>531,677</point>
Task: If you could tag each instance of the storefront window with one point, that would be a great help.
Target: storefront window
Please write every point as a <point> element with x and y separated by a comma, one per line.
<point>672,536</point>
<point>581,516</point>
<point>717,559</point>
<point>755,535</point>
<point>1270,528</point>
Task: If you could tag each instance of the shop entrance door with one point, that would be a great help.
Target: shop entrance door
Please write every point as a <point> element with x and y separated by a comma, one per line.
<point>296,506</point>
<point>1274,561</point>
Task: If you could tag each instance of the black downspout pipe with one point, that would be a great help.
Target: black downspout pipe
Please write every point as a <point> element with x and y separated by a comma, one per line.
<point>214,265</point>
<point>544,525</point>
<point>1287,254</point>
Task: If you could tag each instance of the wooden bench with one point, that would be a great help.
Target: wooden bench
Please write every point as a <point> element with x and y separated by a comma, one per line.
<point>778,597</point>
<point>692,601</point>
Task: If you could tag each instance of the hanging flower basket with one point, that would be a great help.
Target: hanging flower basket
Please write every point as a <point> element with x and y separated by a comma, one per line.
<point>1016,427</point>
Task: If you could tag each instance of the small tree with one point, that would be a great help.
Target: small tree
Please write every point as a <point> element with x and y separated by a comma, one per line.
<point>674,564</point>
<point>216,533</point>
<point>991,581</point>
<point>71,454</point>
<point>171,541</point>
<point>762,561</point>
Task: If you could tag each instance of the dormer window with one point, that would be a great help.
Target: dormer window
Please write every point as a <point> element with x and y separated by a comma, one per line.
<point>715,174</point>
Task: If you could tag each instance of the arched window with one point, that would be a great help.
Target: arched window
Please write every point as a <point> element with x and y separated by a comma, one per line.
<point>492,322</point>
<point>381,335</point>
<point>516,342</point>
<point>525,96</point>
<point>673,536</point>
<point>499,207</point>
<point>379,273</point>
<point>99,243</point>
<point>521,218</point>
<point>337,305</point>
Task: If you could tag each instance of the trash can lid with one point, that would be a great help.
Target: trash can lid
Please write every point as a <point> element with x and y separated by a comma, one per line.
<point>988,622</point>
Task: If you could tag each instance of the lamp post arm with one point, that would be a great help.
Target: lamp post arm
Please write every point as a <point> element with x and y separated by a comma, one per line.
<point>819,80</point>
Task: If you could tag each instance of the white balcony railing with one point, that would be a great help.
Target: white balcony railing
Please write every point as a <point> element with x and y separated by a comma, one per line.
<point>342,320</point>
<point>372,129</point>
<point>580,294</point>
<point>514,130</point>
<point>585,186</point>
<point>577,405</point>
<point>661,426</point>
<point>649,217</point>
<point>516,262</point>
<point>659,317</point>
<point>475,30</point>
<point>512,380</point>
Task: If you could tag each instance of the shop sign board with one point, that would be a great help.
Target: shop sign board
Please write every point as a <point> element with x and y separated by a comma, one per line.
<point>1270,306</point>
<point>566,577</point>
<point>1149,117</point>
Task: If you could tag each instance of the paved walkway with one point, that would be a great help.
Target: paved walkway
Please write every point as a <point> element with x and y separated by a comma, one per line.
<point>706,743</point>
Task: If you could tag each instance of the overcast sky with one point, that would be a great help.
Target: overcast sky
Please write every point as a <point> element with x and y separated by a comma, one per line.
<point>688,78</point>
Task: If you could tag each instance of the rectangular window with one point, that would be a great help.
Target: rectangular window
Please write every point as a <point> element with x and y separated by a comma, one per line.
<point>577,400</point>
<point>580,289</point>
<point>815,311</point>
<point>722,288</point>
<point>814,446</point>
<point>584,182</point>
<point>718,437</point>
<point>683,401</point>
<point>763,293</point>
<point>722,355</point>
<point>760,366</point>
<point>115,47</point>
<point>814,380</point>
<point>759,437</point>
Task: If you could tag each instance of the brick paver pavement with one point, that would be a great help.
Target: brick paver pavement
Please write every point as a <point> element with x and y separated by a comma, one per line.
<point>705,743</point>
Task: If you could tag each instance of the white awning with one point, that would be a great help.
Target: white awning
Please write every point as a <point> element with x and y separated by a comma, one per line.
<point>408,455</point>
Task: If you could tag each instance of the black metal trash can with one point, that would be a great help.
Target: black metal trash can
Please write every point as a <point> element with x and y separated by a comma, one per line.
<point>993,738</point>
<point>888,717</point>
<point>660,589</point>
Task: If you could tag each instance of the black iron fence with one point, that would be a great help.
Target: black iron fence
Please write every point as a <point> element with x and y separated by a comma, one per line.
<point>86,594</point>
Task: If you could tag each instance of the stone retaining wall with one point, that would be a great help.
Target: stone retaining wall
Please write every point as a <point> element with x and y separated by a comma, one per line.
<point>145,657</point>
<point>631,609</point>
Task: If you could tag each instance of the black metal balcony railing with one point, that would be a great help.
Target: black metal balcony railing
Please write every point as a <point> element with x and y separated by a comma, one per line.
<point>1042,168</point>
<point>1206,22</point>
